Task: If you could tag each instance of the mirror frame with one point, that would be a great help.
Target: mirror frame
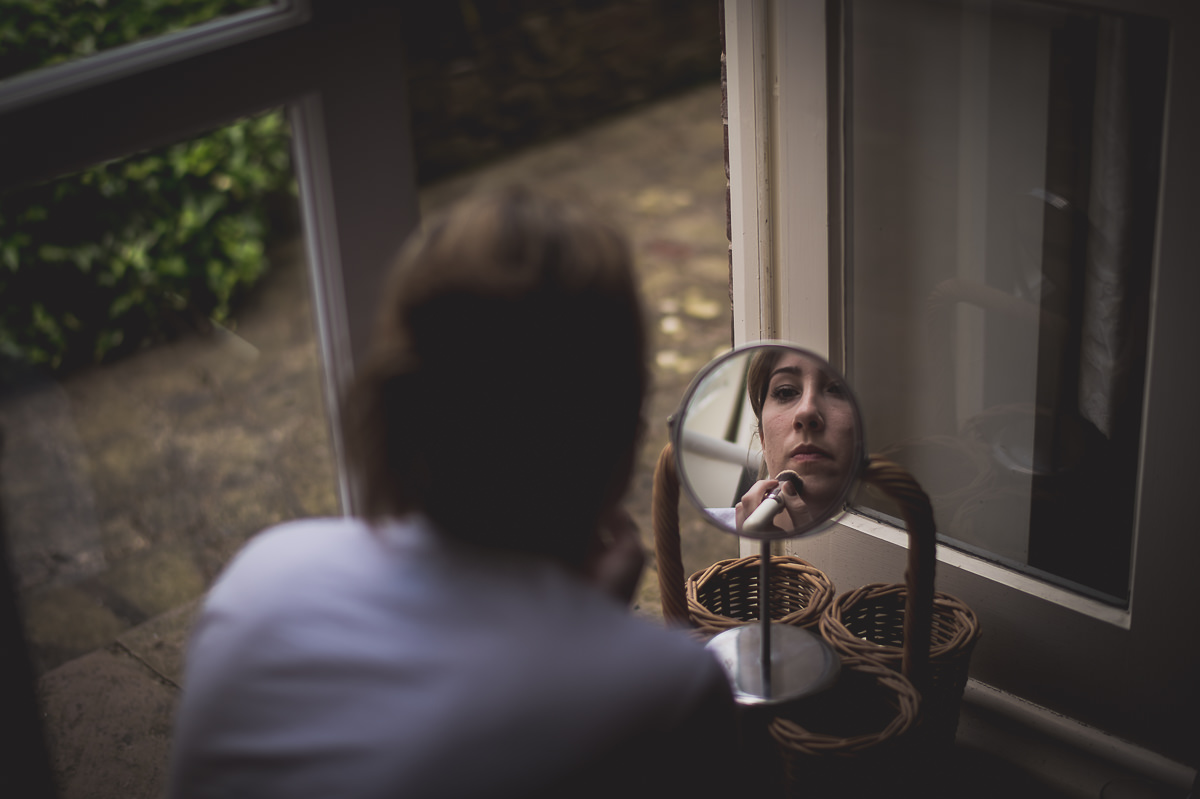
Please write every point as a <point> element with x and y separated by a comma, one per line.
<point>676,423</point>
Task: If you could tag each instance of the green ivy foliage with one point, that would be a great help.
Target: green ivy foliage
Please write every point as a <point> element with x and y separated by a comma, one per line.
<point>40,33</point>
<point>125,253</point>
<point>133,251</point>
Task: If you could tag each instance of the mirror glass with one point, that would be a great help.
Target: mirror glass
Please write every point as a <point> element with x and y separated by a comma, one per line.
<point>760,413</point>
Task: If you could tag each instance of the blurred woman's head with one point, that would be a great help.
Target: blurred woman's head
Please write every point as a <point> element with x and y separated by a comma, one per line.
<point>503,392</point>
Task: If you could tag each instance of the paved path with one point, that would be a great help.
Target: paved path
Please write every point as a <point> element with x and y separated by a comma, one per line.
<point>127,488</point>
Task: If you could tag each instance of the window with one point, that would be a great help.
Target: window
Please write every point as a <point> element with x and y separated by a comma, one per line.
<point>163,460</point>
<point>1001,201</point>
<point>334,68</point>
<point>851,171</point>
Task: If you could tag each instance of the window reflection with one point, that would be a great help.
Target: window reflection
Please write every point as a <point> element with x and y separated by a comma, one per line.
<point>1004,160</point>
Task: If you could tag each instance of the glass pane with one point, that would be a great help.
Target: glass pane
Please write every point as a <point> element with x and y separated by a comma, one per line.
<point>160,393</point>
<point>42,33</point>
<point>1003,160</point>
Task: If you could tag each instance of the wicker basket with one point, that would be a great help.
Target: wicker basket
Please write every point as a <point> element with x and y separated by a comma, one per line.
<point>869,622</point>
<point>870,734</point>
<point>851,740</point>
<point>725,595</point>
<point>890,623</point>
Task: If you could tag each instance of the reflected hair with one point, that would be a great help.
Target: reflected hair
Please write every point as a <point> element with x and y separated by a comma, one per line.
<point>758,381</point>
<point>502,394</point>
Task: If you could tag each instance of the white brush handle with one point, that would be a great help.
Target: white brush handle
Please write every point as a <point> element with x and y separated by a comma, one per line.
<point>764,514</point>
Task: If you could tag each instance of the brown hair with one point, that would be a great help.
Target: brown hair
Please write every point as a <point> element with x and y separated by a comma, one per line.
<point>503,393</point>
<point>758,381</point>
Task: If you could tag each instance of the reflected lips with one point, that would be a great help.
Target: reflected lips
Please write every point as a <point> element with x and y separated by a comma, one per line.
<point>807,452</point>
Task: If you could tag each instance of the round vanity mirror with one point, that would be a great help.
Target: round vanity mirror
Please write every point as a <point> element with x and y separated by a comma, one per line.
<point>769,441</point>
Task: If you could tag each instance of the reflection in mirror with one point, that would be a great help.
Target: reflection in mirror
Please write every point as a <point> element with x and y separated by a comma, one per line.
<point>769,441</point>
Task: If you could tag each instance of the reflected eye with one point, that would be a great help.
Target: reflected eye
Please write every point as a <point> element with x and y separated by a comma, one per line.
<point>784,393</point>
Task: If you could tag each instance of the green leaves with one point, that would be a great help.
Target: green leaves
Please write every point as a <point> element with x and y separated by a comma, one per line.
<point>108,260</point>
<point>98,264</point>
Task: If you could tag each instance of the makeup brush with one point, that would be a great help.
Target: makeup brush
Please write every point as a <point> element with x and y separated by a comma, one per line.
<point>764,514</point>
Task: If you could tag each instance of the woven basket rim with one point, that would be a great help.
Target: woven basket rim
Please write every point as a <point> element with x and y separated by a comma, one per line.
<point>797,568</point>
<point>791,735</point>
<point>949,612</point>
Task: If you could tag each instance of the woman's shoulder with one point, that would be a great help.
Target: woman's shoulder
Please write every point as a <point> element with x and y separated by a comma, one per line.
<point>300,561</point>
<point>292,544</point>
<point>613,644</point>
<point>317,540</point>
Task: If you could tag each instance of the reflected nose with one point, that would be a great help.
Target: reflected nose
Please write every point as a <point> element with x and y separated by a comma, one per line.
<point>808,412</point>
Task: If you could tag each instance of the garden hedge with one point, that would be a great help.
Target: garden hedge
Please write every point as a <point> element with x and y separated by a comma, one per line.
<point>129,252</point>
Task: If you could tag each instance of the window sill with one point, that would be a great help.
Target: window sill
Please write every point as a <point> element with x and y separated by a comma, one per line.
<point>1118,617</point>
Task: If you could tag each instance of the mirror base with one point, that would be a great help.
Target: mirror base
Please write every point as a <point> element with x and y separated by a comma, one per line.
<point>800,663</point>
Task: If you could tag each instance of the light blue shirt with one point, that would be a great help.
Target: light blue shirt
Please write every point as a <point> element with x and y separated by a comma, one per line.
<point>332,659</point>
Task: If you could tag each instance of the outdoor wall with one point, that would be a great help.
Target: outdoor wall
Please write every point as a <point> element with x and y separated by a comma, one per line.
<point>489,77</point>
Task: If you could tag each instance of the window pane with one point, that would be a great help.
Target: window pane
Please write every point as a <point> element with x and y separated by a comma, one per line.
<point>161,397</point>
<point>1003,161</point>
<point>42,33</point>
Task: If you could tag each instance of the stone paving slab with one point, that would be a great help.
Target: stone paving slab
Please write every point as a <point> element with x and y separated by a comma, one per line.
<point>108,727</point>
<point>161,643</point>
<point>108,715</point>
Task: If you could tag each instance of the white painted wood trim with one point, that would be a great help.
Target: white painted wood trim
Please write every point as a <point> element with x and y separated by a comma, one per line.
<point>995,573</point>
<point>749,168</point>
<point>779,171</point>
<point>800,195</point>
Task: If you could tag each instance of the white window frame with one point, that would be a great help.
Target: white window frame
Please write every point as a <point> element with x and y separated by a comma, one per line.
<point>1121,684</point>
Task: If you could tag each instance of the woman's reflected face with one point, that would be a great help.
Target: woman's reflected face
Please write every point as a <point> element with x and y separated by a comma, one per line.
<point>808,426</point>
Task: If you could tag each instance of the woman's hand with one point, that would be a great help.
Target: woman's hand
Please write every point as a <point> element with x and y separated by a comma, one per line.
<point>797,513</point>
<point>617,558</point>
